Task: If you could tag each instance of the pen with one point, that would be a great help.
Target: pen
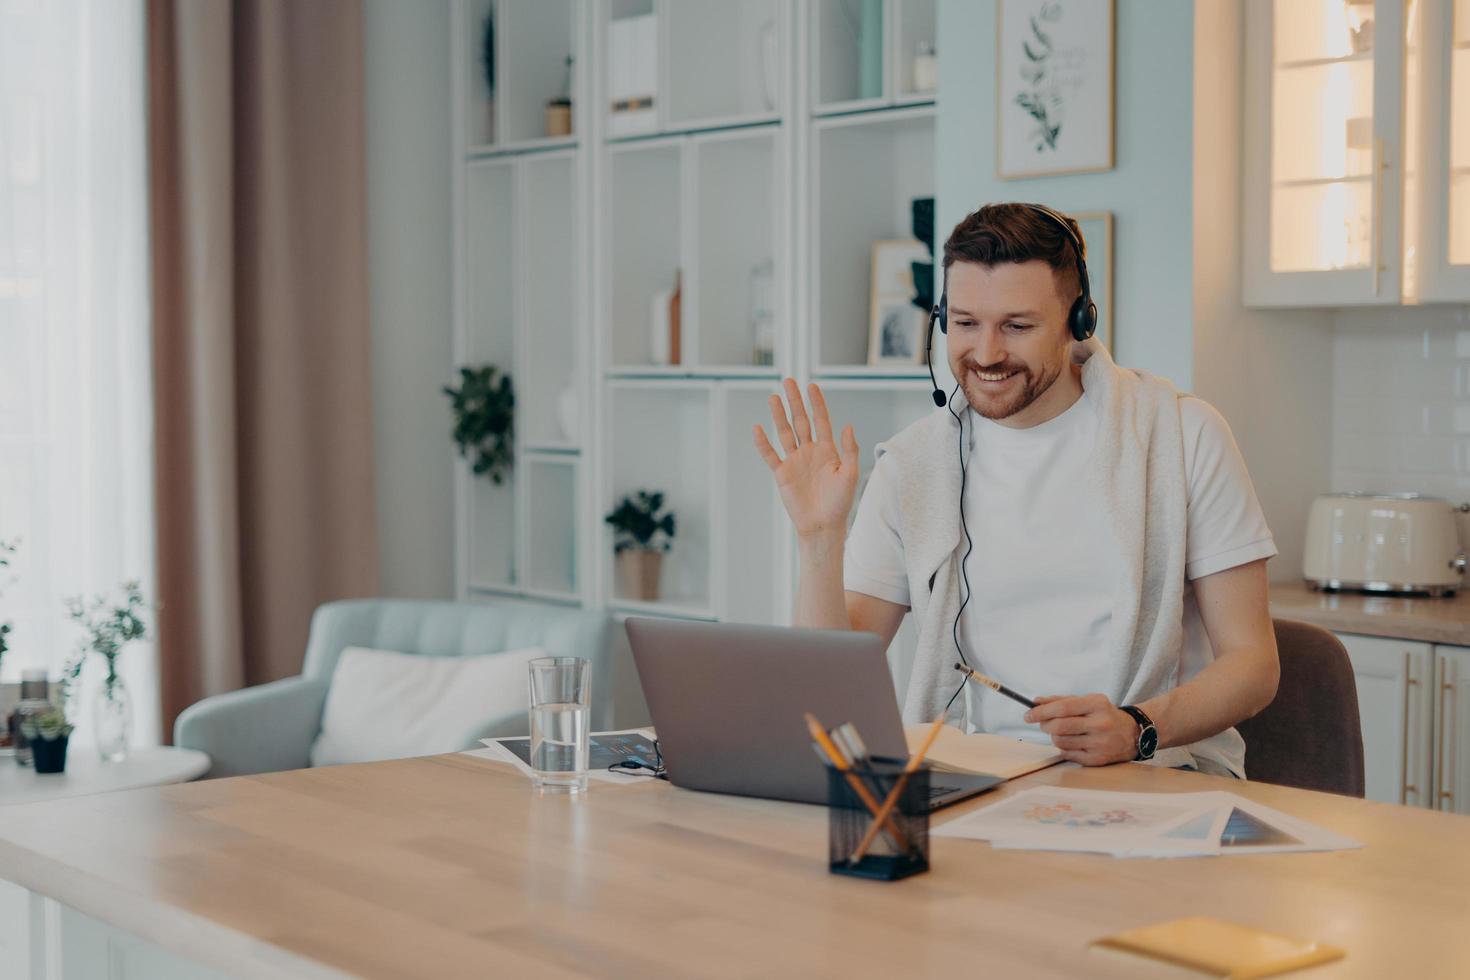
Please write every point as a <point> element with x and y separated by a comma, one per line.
<point>915,760</point>
<point>819,734</point>
<point>995,685</point>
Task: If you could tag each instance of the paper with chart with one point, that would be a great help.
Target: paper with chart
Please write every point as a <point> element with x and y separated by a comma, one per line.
<point>604,749</point>
<point>1140,824</point>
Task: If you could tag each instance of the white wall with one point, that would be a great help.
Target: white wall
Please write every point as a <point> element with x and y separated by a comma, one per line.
<point>1268,372</point>
<point>1148,190</point>
<point>409,263</point>
<point>1401,401</point>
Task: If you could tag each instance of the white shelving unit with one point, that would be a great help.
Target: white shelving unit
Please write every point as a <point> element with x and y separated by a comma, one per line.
<point>732,182</point>
<point>863,53</point>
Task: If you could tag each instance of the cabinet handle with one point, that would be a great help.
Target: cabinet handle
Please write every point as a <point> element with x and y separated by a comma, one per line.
<point>1377,212</point>
<point>1446,771</point>
<point>1407,787</point>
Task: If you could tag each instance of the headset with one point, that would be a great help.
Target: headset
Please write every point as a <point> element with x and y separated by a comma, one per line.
<point>1081,318</point>
<point>1081,321</point>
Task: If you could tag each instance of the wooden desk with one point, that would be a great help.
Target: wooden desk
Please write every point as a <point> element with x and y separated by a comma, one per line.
<point>449,867</point>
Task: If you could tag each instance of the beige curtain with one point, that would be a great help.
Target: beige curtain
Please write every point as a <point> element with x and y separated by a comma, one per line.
<point>262,376</point>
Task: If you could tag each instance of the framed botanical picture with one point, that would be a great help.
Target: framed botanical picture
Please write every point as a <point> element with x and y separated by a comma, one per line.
<point>1097,235</point>
<point>1054,87</point>
<point>895,324</point>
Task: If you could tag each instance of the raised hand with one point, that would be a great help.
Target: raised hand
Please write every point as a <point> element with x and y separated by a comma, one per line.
<point>817,480</point>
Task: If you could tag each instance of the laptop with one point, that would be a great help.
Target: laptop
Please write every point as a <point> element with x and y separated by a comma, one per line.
<point>728,701</point>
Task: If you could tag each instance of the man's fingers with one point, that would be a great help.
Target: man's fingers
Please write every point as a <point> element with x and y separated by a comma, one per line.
<point>1049,708</point>
<point>1070,725</point>
<point>1082,757</point>
<point>1072,743</point>
<point>799,418</point>
<point>783,426</point>
<point>821,420</point>
<point>849,449</point>
<point>764,447</point>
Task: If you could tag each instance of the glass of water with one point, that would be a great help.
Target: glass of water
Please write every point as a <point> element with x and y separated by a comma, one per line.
<point>559,721</point>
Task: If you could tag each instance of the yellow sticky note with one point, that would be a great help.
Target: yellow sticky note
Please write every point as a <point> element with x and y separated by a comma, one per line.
<point>1224,948</point>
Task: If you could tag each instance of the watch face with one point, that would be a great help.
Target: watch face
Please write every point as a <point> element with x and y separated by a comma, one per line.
<point>1148,741</point>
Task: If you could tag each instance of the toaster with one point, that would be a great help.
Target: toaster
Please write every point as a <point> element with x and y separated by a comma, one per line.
<point>1383,543</point>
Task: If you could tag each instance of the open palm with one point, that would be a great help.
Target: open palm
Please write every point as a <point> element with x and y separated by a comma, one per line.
<point>817,480</point>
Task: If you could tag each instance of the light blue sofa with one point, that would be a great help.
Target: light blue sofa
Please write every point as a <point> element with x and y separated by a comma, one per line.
<point>271,727</point>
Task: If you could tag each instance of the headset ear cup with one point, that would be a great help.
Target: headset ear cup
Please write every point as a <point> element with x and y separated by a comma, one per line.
<point>944,314</point>
<point>1083,319</point>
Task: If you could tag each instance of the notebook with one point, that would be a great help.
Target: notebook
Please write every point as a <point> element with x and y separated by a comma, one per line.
<point>990,755</point>
<point>1224,948</point>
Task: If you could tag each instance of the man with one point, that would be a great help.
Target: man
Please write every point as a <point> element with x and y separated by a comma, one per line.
<point>1107,541</point>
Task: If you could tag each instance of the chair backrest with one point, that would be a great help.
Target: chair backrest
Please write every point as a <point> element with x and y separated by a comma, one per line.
<point>1310,736</point>
<point>456,629</point>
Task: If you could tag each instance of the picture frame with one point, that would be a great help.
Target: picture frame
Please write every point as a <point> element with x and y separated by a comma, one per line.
<point>895,324</point>
<point>1054,82</point>
<point>1097,236</point>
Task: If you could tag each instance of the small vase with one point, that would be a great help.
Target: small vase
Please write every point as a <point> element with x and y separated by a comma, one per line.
<point>49,754</point>
<point>112,717</point>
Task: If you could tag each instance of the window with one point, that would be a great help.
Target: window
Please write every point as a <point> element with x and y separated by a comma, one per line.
<point>75,404</point>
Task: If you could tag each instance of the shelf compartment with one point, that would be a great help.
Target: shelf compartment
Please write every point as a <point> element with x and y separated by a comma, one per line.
<point>633,45</point>
<point>849,53</point>
<point>659,440</point>
<point>755,520</point>
<point>1322,122</point>
<point>915,21</point>
<point>1321,31</point>
<point>490,264</point>
<point>551,525</point>
<point>645,242</point>
<point>1321,227</point>
<point>867,170</point>
<point>492,544</point>
<point>724,62</point>
<point>549,394</point>
<point>478,107</point>
<point>737,265</point>
<point>534,40</point>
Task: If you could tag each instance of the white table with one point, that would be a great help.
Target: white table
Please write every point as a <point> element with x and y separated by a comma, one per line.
<point>86,773</point>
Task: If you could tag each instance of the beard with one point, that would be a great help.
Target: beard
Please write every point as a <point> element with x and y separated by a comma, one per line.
<point>1017,394</point>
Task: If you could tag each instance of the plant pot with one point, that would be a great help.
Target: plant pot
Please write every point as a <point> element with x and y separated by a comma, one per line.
<point>638,573</point>
<point>49,754</point>
<point>558,118</point>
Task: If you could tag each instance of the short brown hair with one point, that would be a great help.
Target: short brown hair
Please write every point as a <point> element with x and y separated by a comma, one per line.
<point>1016,233</point>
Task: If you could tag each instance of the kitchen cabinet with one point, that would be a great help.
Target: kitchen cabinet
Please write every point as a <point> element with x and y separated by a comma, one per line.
<point>1438,131</point>
<point>1452,729</point>
<point>1324,97</point>
<point>1395,703</point>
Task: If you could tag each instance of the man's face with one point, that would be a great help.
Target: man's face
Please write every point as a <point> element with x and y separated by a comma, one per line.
<point>1008,338</point>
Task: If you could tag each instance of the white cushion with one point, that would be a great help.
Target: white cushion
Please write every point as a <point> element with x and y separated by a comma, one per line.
<point>387,705</point>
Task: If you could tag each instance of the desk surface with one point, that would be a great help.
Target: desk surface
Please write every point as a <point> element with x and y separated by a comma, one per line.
<point>449,867</point>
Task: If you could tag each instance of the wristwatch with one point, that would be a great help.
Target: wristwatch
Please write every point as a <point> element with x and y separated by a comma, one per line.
<point>1148,735</point>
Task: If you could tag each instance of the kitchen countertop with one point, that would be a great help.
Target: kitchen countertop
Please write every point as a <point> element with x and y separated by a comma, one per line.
<point>1444,620</point>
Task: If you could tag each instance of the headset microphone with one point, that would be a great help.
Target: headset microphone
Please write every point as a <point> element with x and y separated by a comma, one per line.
<point>938,314</point>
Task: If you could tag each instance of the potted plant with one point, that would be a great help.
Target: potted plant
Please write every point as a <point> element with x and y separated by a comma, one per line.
<point>484,413</point>
<point>642,535</point>
<point>48,734</point>
<point>109,628</point>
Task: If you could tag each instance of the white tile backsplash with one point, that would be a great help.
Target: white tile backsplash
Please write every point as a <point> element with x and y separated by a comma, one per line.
<point>1401,401</point>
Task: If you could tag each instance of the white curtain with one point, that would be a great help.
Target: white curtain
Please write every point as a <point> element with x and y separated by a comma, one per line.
<point>75,409</point>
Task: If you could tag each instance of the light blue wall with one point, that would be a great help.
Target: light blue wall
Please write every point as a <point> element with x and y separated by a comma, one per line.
<point>1148,191</point>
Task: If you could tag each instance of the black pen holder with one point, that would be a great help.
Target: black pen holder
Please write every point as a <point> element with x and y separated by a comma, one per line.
<point>901,846</point>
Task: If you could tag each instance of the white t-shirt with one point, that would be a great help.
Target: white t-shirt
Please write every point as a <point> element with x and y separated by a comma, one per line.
<point>1042,569</point>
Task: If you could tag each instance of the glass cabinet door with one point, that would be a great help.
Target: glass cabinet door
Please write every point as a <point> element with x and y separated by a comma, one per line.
<point>1324,165</point>
<point>1439,100</point>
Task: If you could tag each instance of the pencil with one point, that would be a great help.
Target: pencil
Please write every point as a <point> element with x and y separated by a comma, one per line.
<point>858,787</point>
<point>995,685</point>
<point>915,761</point>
